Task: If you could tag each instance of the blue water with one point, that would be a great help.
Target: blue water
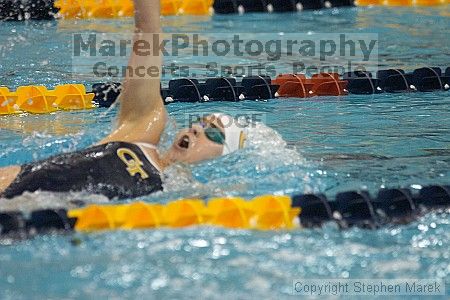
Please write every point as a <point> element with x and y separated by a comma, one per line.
<point>332,144</point>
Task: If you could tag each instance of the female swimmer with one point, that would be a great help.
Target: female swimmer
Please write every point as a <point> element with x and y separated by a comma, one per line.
<point>126,163</point>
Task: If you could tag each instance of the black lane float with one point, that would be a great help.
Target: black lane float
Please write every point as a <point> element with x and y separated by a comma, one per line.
<point>358,208</point>
<point>269,6</point>
<point>21,10</point>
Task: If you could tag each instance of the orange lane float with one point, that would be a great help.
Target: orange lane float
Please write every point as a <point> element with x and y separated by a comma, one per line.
<point>323,84</point>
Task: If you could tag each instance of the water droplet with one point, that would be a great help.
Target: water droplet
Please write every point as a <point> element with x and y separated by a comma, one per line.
<point>199,243</point>
<point>422,227</point>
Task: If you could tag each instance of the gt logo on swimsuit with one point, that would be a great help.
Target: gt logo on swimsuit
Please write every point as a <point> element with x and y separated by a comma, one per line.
<point>134,165</point>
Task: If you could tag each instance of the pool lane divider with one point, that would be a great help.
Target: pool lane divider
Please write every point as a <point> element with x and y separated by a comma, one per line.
<point>20,10</point>
<point>39,100</point>
<point>262,87</point>
<point>268,212</point>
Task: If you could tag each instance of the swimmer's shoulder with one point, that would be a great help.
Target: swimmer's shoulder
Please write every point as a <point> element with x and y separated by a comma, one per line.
<point>150,151</point>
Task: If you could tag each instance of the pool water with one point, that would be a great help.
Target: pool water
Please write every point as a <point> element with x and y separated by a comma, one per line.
<point>332,144</point>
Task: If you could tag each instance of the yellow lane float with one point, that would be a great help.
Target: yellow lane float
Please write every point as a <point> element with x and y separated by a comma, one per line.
<point>35,99</point>
<point>73,97</point>
<point>86,9</point>
<point>39,100</point>
<point>263,213</point>
<point>7,101</point>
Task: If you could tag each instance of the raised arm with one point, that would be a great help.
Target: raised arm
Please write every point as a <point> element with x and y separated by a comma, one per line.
<point>142,115</point>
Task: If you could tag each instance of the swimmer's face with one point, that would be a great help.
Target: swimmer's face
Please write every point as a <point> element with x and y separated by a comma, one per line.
<point>194,144</point>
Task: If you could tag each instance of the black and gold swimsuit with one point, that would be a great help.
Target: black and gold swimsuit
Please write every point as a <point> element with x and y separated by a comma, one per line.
<point>117,170</point>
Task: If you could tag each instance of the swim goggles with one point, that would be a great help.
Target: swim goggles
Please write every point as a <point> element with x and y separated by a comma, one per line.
<point>212,132</point>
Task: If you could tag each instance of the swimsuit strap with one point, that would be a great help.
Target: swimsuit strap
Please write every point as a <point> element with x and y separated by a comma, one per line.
<point>147,145</point>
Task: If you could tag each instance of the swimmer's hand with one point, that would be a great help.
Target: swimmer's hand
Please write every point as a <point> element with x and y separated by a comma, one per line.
<point>142,115</point>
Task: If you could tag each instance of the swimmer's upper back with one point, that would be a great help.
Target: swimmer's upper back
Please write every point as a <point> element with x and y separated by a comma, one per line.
<point>115,169</point>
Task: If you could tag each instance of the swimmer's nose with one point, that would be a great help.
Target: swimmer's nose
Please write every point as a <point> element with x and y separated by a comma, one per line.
<point>196,130</point>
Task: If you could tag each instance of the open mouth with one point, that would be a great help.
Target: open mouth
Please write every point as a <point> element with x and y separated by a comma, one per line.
<point>184,142</point>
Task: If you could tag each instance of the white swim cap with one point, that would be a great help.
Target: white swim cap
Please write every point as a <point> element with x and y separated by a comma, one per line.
<point>235,133</point>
